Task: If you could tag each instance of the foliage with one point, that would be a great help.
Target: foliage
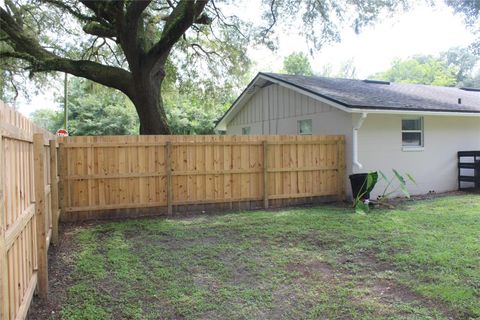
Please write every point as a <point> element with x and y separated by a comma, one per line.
<point>391,188</point>
<point>420,70</point>
<point>92,110</point>
<point>454,67</point>
<point>97,110</point>
<point>419,261</point>
<point>463,61</point>
<point>127,45</point>
<point>297,63</point>
<point>360,204</point>
<point>49,119</point>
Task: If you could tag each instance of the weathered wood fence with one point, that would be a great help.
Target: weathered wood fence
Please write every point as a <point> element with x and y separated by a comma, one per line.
<point>104,177</point>
<point>28,211</point>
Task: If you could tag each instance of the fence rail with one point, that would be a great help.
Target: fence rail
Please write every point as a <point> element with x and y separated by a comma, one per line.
<point>102,177</point>
<point>28,211</point>
<point>100,174</point>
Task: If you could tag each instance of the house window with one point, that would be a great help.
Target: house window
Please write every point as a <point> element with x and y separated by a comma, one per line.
<point>246,130</point>
<point>412,132</point>
<point>305,126</point>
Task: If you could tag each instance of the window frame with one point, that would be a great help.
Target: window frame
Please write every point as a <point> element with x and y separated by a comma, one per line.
<point>421,131</point>
<point>249,129</point>
<point>299,127</point>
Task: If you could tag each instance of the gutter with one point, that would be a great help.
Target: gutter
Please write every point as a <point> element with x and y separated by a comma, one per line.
<point>355,140</point>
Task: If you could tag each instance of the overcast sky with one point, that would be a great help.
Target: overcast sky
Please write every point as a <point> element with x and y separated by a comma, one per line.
<point>422,30</point>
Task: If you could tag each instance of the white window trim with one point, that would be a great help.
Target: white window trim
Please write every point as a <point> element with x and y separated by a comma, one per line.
<point>298,127</point>
<point>421,147</point>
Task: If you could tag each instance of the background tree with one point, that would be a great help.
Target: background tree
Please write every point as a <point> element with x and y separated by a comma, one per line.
<point>420,70</point>
<point>49,119</point>
<point>454,67</point>
<point>464,61</point>
<point>98,110</point>
<point>126,45</point>
<point>297,63</point>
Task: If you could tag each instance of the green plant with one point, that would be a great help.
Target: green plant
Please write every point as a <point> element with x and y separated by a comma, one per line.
<point>360,205</point>
<point>390,189</point>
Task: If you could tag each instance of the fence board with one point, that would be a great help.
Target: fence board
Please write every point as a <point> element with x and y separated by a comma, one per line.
<point>108,173</point>
<point>18,219</point>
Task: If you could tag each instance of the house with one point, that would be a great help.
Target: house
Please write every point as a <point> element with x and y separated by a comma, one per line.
<point>416,129</point>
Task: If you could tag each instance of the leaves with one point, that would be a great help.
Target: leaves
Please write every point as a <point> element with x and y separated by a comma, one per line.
<point>297,63</point>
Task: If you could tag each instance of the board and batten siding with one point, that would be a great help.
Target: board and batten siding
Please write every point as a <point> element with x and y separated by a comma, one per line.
<point>276,110</point>
<point>267,108</point>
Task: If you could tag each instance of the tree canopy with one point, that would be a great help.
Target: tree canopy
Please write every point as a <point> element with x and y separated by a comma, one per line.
<point>454,67</point>
<point>127,45</point>
<point>132,46</point>
<point>297,63</point>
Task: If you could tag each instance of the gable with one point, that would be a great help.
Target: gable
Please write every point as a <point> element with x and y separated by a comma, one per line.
<point>277,102</point>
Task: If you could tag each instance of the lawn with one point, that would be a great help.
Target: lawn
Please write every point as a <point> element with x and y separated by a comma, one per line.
<point>419,261</point>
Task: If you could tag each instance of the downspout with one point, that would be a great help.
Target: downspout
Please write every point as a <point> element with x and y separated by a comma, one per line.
<point>355,140</point>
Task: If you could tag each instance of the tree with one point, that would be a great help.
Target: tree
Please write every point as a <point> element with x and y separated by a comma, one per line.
<point>420,70</point>
<point>126,44</point>
<point>464,61</point>
<point>297,63</point>
<point>48,119</point>
<point>93,110</point>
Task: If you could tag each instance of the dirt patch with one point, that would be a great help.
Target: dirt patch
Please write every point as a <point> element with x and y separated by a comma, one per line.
<point>381,286</point>
<point>312,269</point>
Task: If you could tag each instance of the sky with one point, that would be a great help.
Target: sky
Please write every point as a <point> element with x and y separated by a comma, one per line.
<point>421,30</point>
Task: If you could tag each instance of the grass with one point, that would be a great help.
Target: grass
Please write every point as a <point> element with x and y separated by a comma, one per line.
<point>420,261</point>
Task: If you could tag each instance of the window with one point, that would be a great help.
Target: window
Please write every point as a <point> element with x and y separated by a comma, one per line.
<point>246,130</point>
<point>305,126</point>
<point>412,132</point>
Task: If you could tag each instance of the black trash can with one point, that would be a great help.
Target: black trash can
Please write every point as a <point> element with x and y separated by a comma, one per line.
<point>359,185</point>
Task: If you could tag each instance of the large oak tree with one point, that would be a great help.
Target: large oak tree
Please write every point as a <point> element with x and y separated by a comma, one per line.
<point>127,44</point>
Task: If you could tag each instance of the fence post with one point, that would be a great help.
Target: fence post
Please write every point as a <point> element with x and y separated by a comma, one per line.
<point>265,174</point>
<point>54,190</point>
<point>341,168</point>
<point>168,156</point>
<point>40,212</point>
<point>62,189</point>
<point>3,248</point>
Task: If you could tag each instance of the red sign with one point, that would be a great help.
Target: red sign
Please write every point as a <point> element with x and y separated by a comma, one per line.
<point>62,133</point>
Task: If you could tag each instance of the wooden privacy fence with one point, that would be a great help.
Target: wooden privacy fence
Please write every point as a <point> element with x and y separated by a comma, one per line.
<point>28,211</point>
<point>138,175</point>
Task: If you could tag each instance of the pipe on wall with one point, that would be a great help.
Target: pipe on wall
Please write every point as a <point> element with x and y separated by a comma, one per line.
<point>355,140</point>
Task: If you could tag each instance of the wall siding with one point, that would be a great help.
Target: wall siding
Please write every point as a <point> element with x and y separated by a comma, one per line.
<point>266,111</point>
<point>434,168</point>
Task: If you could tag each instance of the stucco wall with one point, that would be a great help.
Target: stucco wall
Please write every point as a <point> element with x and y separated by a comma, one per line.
<point>435,167</point>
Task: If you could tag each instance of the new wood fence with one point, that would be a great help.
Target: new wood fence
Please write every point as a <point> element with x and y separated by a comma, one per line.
<point>28,211</point>
<point>102,177</point>
<point>139,175</point>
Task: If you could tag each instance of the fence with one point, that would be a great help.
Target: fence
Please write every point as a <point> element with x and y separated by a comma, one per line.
<point>100,176</point>
<point>137,175</point>
<point>28,211</point>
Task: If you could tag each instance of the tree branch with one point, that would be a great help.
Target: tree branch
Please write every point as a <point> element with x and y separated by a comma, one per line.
<point>28,49</point>
<point>182,17</point>
<point>100,30</point>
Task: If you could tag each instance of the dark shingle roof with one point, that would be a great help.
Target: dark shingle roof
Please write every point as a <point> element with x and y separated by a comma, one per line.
<point>394,96</point>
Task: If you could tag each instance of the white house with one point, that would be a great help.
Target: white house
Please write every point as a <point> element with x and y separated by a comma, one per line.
<point>416,129</point>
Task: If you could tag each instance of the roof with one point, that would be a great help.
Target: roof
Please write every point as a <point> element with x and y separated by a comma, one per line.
<point>364,95</point>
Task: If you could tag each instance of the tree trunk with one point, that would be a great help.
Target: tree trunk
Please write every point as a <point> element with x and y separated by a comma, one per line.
<point>148,101</point>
